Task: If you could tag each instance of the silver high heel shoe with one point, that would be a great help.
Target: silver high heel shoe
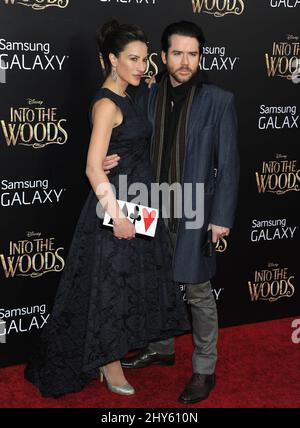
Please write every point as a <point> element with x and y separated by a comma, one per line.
<point>125,389</point>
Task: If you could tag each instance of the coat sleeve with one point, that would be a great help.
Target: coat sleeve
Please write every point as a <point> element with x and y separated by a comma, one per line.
<point>228,168</point>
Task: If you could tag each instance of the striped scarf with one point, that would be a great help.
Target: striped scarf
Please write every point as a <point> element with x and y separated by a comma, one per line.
<point>178,151</point>
<point>179,146</point>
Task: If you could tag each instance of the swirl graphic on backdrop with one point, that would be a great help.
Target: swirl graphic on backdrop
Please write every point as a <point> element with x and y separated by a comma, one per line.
<point>221,245</point>
<point>41,5</point>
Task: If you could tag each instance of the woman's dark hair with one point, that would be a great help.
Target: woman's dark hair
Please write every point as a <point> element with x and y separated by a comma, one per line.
<point>114,37</point>
<point>182,28</point>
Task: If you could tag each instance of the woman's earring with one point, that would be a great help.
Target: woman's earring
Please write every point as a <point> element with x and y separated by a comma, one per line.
<point>114,74</point>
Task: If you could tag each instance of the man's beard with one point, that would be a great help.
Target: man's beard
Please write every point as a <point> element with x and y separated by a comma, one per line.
<point>182,79</point>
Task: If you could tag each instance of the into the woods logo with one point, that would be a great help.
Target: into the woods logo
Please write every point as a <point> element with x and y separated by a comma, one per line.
<point>35,126</point>
<point>219,8</point>
<point>278,176</point>
<point>284,59</point>
<point>271,284</point>
<point>33,256</point>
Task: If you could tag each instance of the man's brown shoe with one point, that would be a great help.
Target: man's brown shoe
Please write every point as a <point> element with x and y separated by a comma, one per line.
<point>198,388</point>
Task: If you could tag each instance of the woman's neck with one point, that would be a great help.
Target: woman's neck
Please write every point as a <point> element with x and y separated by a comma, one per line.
<point>119,87</point>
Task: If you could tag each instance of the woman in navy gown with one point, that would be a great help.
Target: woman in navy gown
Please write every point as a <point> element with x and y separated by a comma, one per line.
<point>116,292</point>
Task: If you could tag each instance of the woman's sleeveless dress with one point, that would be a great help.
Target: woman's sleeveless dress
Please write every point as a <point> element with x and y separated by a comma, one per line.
<point>114,295</point>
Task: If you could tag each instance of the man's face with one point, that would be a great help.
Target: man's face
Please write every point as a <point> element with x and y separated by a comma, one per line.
<point>182,58</point>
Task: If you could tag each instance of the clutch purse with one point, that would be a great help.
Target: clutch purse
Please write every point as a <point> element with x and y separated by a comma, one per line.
<point>144,218</point>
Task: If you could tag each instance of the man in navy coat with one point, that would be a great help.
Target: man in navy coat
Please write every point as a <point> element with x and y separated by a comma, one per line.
<point>194,141</point>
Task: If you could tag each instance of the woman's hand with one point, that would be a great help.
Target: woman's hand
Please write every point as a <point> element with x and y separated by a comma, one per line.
<point>124,229</point>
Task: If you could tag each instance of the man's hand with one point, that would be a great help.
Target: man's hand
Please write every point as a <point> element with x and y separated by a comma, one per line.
<point>110,162</point>
<point>218,232</point>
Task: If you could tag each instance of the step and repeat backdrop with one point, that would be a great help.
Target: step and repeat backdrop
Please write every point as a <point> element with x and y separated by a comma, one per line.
<point>49,70</point>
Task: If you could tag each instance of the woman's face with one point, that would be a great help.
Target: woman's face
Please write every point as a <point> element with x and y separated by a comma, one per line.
<point>131,63</point>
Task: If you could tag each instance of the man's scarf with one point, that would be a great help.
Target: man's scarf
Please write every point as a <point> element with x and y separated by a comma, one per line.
<point>179,146</point>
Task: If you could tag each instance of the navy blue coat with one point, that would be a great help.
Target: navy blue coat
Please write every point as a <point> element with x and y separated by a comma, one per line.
<point>211,145</point>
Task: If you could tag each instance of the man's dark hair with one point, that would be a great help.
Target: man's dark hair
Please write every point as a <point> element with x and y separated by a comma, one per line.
<point>182,28</point>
